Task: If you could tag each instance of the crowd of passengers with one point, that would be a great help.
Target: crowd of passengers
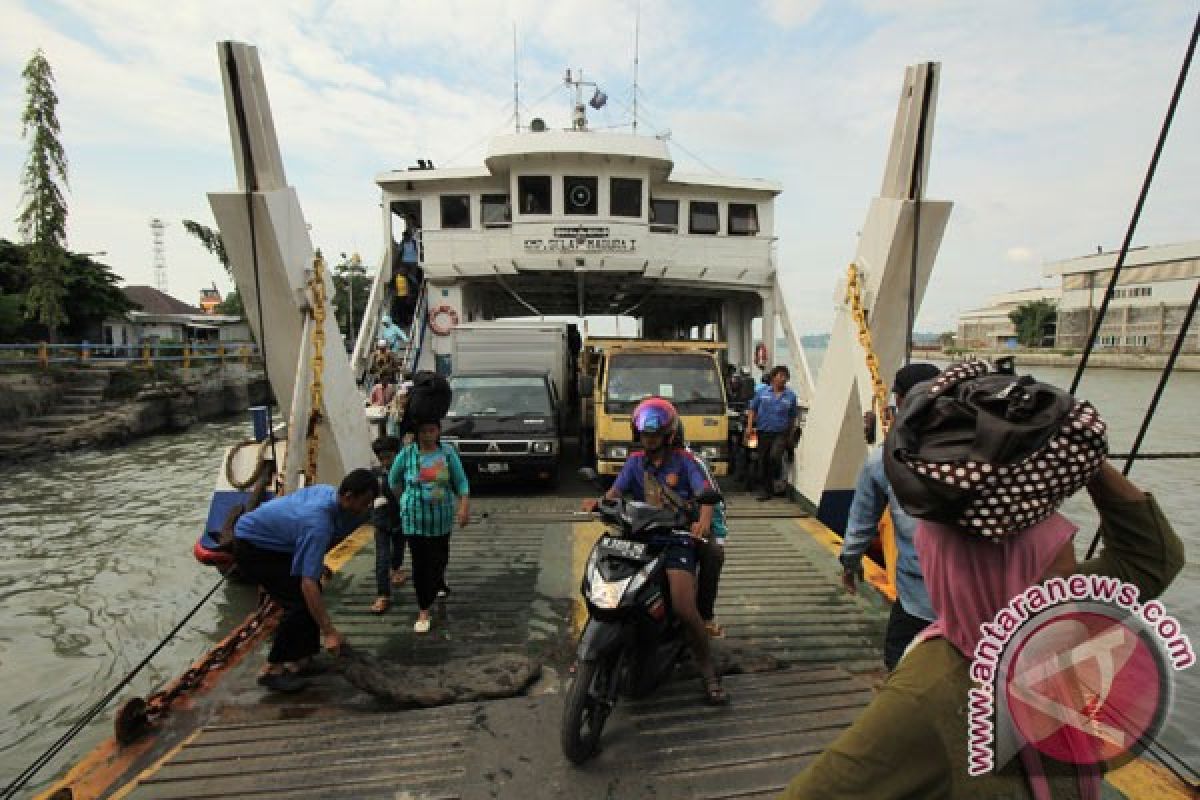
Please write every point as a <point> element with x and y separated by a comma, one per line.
<point>974,467</point>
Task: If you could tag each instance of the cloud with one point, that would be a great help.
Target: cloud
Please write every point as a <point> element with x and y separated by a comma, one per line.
<point>1020,255</point>
<point>1045,120</point>
<point>791,13</point>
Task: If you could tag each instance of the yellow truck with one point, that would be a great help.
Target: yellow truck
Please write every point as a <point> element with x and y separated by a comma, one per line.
<point>616,374</point>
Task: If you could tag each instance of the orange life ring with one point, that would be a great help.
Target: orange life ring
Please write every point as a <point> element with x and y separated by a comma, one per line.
<point>760,355</point>
<point>448,320</point>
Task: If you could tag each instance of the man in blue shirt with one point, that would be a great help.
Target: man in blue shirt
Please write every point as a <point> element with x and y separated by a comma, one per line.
<point>772,416</point>
<point>872,495</point>
<point>281,546</point>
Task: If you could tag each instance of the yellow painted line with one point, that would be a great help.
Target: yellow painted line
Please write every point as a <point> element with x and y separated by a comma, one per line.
<point>583,536</point>
<point>150,771</point>
<point>1142,778</point>
<point>872,572</point>
<point>336,558</point>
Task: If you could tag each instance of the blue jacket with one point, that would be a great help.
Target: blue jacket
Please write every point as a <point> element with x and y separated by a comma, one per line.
<point>873,494</point>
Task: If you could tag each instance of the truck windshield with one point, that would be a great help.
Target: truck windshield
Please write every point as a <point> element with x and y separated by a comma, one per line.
<point>690,381</point>
<point>499,396</point>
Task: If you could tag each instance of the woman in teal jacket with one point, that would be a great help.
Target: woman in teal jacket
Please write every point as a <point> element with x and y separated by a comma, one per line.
<point>428,476</point>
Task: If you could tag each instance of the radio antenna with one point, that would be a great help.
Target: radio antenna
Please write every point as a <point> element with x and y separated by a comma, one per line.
<point>637,24</point>
<point>516,84</point>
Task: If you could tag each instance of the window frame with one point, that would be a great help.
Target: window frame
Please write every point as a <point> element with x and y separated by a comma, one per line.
<point>484,205</point>
<point>521,193</point>
<point>568,185</point>
<point>442,198</point>
<point>729,209</point>
<point>664,227</point>
<point>612,194</point>
<point>716,213</point>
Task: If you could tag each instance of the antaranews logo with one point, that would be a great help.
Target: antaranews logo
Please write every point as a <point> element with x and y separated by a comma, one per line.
<point>1077,668</point>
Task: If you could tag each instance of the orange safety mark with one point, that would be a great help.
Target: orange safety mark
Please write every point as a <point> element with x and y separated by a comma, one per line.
<point>96,774</point>
<point>873,573</point>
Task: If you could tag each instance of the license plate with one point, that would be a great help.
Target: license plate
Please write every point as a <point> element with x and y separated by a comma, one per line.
<point>624,546</point>
<point>493,467</point>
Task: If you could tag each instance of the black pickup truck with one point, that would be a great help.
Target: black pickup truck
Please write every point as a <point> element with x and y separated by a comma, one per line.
<point>505,424</point>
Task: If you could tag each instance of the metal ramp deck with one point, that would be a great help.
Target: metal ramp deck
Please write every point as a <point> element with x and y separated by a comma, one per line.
<point>514,575</point>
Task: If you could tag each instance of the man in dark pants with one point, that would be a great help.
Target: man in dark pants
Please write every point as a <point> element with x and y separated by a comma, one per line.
<point>281,546</point>
<point>772,415</point>
<point>912,611</point>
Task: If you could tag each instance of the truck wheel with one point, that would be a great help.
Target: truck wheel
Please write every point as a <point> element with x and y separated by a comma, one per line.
<point>583,714</point>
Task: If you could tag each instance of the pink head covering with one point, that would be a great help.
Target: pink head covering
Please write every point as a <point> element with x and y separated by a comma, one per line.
<point>971,578</point>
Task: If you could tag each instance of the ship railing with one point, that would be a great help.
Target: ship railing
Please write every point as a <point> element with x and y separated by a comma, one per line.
<point>182,354</point>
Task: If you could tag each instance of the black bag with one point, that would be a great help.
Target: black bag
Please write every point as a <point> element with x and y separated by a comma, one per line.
<point>988,451</point>
<point>429,398</point>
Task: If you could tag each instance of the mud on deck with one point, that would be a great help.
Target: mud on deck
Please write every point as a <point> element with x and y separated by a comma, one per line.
<point>514,575</point>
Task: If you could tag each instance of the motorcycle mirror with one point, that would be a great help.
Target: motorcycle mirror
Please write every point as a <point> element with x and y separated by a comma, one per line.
<point>709,497</point>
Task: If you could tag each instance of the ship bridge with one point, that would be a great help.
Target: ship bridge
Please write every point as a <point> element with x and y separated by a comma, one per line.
<point>585,223</point>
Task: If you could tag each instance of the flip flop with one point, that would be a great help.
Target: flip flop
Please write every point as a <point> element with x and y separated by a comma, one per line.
<point>422,625</point>
<point>399,577</point>
<point>715,629</point>
<point>381,605</point>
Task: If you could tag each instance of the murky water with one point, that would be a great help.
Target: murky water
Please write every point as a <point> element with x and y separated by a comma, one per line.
<point>96,569</point>
<point>97,565</point>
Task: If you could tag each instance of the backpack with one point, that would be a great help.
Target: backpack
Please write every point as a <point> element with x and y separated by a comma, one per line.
<point>429,398</point>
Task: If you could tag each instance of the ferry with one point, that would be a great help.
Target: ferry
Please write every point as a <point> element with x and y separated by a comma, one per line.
<point>553,224</point>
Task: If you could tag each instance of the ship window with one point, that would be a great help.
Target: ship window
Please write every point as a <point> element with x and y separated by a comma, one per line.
<point>703,217</point>
<point>495,211</point>
<point>579,194</point>
<point>456,210</point>
<point>664,215</point>
<point>743,219</point>
<point>625,197</point>
<point>535,194</point>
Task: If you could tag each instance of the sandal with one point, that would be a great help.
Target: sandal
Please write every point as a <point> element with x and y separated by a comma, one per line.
<point>399,576</point>
<point>714,692</point>
<point>381,605</point>
<point>715,629</point>
<point>422,625</point>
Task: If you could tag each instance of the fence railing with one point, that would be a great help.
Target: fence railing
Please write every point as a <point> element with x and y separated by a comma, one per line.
<point>43,354</point>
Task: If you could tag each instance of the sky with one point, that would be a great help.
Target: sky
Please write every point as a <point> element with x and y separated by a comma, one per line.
<point>1046,120</point>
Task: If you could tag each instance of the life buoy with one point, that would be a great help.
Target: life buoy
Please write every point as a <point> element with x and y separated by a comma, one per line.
<point>760,356</point>
<point>442,320</point>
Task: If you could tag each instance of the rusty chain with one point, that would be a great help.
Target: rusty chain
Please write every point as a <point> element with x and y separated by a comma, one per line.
<point>879,390</point>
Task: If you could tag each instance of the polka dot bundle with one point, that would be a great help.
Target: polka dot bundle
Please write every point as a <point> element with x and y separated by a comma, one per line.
<point>996,499</point>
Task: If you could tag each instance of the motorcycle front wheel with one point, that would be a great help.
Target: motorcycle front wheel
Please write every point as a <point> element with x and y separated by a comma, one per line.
<point>583,713</point>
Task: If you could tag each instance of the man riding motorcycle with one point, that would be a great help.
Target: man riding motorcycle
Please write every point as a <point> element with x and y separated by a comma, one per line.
<point>668,477</point>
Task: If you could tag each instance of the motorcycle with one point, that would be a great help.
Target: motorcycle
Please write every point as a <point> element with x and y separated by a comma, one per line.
<point>632,641</point>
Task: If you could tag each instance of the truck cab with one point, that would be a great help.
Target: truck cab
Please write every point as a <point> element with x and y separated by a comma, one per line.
<point>620,373</point>
<point>505,424</point>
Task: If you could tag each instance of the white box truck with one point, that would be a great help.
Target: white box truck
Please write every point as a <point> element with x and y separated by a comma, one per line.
<point>517,345</point>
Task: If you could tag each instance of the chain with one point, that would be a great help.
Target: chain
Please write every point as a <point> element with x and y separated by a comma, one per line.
<point>879,390</point>
<point>317,285</point>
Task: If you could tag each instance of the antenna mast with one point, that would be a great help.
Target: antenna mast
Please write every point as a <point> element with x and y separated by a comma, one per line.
<point>157,226</point>
<point>516,85</point>
<point>637,26</point>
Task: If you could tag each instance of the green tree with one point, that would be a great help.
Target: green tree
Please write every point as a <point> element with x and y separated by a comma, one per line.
<point>43,218</point>
<point>352,289</point>
<point>91,294</point>
<point>1034,321</point>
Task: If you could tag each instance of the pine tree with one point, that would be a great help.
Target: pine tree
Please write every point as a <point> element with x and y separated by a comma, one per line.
<point>43,219</point>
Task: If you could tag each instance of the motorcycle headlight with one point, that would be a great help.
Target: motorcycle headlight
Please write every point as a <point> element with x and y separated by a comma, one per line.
<point>608,594</point>
<point>711,452</point>
<point>543,446</point>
